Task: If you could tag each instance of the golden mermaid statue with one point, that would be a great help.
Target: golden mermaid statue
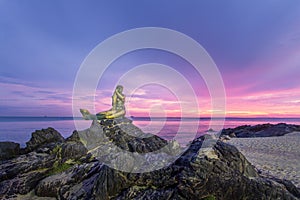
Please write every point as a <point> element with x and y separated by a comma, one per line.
<point>117,110</point>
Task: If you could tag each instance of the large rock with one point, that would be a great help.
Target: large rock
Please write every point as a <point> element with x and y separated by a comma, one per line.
<point>222,172</point>
<point>71,183</point>
<point>129,137</point>
<point>9,150</point>
<point>261,130</point>
<point>20,175</point>
<point>72,151</point>
<point>115,143</point>
<point>23,183</point>
<point>42,137</point>
<point>48,154</point>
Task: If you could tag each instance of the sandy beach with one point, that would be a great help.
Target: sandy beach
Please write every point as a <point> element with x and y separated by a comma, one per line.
<point>276,156</point>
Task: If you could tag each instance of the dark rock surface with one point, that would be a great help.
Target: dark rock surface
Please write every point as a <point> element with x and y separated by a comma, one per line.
<point>130,138</point>
<point>20,175</point>
<point>261,130</point>
<point>41,137</point>
<point>123,146</point>
<point>9,150</point>
<point>65,170</point>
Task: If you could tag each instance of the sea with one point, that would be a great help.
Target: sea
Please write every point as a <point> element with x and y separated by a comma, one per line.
<point>19,129</point>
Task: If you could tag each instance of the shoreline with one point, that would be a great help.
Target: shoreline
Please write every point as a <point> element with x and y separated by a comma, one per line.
<point>273,156</point>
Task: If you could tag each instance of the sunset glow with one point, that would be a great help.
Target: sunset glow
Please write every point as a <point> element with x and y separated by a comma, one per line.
<point>256,47</point>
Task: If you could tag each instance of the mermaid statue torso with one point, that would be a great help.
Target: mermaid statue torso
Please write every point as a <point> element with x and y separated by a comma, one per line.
<point>117,110</point>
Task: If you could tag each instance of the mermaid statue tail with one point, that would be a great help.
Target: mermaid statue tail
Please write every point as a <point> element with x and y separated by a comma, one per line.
<point>101,116</point>
<point>86,114</point>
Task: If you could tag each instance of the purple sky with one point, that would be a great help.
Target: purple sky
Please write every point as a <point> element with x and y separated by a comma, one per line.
<point>255,44</point>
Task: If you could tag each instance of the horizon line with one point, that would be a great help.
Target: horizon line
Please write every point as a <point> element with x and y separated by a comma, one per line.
<point>176,117</point>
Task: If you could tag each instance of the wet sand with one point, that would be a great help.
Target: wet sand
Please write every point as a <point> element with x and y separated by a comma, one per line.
<point>276,156</point>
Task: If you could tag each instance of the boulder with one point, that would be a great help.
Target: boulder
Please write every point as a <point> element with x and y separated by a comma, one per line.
<point>22,183</point>
<point>72,151</point>
<point>42,137</point>
<point>9,150</point>
<point>129,137</point>
<point>71,183</point>
<point>74,137</point>
<point>260,130</point>
<point>23,173</point>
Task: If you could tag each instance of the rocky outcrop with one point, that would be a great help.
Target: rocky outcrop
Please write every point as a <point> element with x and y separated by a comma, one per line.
<point>261,130</point>
<point>77,182</point>
<point>42,137</point>
<point>130,138</point>
<point>20,175</point>
<point>9,150</point>
<point>46,153</point>
<point>207,168</point>
<point>123,146</point>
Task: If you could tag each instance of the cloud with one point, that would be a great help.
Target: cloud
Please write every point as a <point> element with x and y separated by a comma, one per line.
<point>268,103</point>
<point>45,92</point>
<point>11,80</point>
<point>19,97</point>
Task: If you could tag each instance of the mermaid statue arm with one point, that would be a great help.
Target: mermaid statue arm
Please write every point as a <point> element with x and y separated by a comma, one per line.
<point>120,95</point>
